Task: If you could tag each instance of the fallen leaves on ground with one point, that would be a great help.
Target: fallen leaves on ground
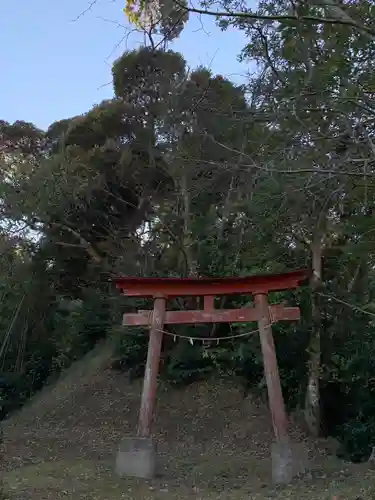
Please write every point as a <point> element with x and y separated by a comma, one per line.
<point>212,443</point>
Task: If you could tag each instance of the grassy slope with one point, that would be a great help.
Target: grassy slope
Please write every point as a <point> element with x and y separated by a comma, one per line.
<point>213,444</point>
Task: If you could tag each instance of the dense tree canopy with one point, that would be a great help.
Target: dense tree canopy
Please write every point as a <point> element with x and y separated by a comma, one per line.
<point>185,173</point>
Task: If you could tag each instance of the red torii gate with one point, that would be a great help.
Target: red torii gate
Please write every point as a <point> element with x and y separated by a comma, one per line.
<point>161,289</point>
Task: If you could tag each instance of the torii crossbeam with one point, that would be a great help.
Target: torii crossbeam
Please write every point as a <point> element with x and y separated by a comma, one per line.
<point>161,289</point>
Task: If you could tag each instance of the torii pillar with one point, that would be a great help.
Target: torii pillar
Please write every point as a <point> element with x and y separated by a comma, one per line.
<point>137,456</point>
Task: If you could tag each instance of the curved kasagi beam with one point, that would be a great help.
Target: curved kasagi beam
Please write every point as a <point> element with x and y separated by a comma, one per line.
<point>178,287</point>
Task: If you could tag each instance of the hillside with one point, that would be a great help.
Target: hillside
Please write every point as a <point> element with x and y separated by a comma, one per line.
<point>213,443</point>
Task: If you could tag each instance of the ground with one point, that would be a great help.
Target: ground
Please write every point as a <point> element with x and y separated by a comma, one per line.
<point>213,444</point>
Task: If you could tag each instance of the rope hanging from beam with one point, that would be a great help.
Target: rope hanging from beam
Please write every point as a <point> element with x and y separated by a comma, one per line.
<point>211,339</point>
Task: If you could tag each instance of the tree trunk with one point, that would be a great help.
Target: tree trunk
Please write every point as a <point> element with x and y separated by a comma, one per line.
<point>312,398</point>
<point>191,263</point>
<point>191,270</point>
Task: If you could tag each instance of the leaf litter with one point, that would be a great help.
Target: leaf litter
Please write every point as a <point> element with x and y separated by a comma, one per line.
<point>212,444</point>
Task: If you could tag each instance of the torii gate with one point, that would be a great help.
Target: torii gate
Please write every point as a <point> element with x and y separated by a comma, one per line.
<point>137,457</point>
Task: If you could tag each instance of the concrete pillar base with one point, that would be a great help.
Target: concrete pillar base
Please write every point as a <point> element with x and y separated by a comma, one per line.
<point>288,461</point>
<point>136,457</point>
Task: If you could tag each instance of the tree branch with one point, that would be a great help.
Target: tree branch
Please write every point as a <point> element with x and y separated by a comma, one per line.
<point>346,21</point>
<point>287,172</point>
<point>83,242</point>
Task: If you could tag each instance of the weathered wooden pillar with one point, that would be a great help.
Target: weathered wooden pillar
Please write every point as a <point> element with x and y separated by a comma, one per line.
<point>148,400</point>
<point>288,460</point>
<point>271,371</point>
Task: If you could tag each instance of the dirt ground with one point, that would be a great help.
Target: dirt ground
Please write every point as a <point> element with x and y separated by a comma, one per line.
<point>212,443</point>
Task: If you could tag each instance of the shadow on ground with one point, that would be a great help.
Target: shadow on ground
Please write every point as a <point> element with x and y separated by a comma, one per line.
<point>212,444</point>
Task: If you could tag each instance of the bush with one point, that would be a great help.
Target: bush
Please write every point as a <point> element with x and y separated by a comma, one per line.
<point>357,438</point>
<point>185,364</point>
<point>130,352</point>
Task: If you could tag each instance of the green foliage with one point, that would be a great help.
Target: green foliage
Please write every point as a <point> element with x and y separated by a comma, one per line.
<point>356,437</point>
<point>186,363</point>
<point>88,322</point>
<point>181,174</point>
<point>164,17</point>
<point>131,351</point>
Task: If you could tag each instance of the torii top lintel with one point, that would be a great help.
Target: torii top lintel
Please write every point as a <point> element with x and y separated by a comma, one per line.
<point>179,287</point>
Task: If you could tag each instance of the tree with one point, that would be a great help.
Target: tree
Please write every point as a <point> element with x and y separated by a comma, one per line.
<point>356,15</point>
<point>96,185</point>
<point>313,95</point>
<point>185,173</point>
<point>309,89</point>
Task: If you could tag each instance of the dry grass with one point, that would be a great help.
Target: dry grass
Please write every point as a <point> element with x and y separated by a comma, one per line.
<point>213,444</point>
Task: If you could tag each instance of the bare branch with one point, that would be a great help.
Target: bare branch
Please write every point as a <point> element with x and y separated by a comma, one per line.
<point>83,242</point>
<point>346,21</point>
<point>88,9</point>
<point>291,171</point>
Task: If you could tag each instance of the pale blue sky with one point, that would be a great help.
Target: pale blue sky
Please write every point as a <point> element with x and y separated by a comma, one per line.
<point>53,66</point>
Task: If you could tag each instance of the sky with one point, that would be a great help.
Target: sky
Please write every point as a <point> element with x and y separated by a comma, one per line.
<point>56,56</point>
